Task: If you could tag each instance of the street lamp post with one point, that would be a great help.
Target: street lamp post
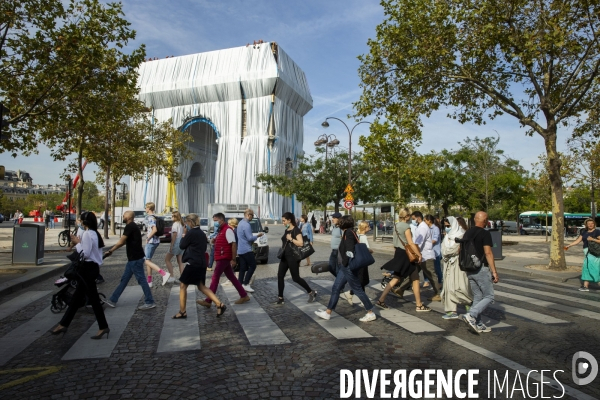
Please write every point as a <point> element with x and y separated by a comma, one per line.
<point>325,124</point>
<point>329,141</point>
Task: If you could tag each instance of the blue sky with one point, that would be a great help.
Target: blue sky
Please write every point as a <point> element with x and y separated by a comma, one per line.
<point>323,37</point>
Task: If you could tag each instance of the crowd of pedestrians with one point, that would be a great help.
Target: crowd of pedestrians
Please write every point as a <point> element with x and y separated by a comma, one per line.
<point>456,262</point>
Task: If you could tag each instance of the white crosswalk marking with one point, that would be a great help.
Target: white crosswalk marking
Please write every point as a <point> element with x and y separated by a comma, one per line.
<point>439,308</point>
<point>117,318</point>
<point>549,287</point>
<point>547,380</point>
<point>337,326</point>
<point>180,334</point>
<point>20,301</point>
<point>527,314</point>
<point>258,326</point>
<point>549,304</point>
<point>403,320</point>
<point>553,295</point>
<point>22,336</point>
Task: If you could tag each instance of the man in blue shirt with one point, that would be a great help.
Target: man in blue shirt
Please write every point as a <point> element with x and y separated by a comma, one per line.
<point>245,241</point>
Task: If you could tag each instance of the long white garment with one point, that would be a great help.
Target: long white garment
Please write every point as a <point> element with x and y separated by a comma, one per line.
<point>456,288</point>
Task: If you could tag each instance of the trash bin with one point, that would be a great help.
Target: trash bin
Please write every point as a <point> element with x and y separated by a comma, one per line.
<point>28,244</point>
<point>497,240</point>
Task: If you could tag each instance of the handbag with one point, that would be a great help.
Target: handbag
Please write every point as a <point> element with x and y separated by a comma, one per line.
<point>306,249</point>
<point>362,256</point>
<point>319,267</point>
<point>77,260</point>
<point>280,252</point>
<point>412,250</point>
<point>594,248</point>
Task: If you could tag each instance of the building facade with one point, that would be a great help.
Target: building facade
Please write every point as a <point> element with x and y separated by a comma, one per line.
<point>244,108</point>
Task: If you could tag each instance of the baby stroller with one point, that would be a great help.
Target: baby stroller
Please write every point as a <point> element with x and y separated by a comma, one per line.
<point>62,298</point>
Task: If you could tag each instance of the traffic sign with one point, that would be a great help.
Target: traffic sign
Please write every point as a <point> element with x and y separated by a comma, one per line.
<point>349,197</point>
<point>348,205</point>
<point>349,189</point>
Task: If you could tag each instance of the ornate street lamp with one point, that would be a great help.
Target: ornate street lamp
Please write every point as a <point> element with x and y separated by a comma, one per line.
<point>325,124</point>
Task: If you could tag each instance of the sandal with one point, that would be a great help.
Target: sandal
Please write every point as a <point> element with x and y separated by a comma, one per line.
<point>221,309</point>
<point>381,305</point>
<point>423,308</point>
<point>180,315</point>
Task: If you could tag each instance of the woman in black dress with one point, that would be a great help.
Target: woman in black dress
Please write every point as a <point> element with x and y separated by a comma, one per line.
<point>291,237</point>
<point>194,245</point>
<point>400,264</point>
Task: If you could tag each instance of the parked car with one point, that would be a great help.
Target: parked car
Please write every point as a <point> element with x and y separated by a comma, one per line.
<point>204,225</point>
<point>166,238</point>
<point>535,229</point>
<point>1,218</point>
<point>509,226</point>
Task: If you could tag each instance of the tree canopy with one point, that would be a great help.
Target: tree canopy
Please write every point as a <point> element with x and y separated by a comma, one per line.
<point>537,61</point>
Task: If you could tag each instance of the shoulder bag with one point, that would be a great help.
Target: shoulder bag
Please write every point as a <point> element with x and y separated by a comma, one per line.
<point>301,252</point>
<point>362,256</point>
<point>317,268</point>
<point>412,250</point>
<point>281,250</point>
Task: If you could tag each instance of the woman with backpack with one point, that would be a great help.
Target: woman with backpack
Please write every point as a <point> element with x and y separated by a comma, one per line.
<point>345,275</point>
<point>363,273</point>
<point>456,289</point>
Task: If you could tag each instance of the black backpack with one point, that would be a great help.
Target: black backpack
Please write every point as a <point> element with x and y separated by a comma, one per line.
<point>160,226</point>
<point>468,259</point>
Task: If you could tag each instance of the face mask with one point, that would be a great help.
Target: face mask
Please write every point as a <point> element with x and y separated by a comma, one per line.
<point>414,222</point>
<point>448,230</point>
<point>216,224</point>
<point>287,226</point>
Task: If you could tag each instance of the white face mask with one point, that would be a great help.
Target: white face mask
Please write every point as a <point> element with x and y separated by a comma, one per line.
<point>414,222</point>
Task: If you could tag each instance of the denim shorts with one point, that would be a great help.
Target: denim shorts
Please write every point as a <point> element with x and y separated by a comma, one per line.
<point>149,250</point>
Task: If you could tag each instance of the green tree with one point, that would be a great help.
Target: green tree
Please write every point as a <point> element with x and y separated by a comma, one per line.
<point>53,52</point>
<point>535,61</point>
<point>389,151</point>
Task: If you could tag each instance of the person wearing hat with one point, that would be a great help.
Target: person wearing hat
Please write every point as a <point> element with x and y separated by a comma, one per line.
<point>336,238</point>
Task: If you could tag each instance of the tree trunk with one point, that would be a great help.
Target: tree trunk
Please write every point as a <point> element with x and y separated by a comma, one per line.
<point>113,196</point>
<point>445,208</point>
<point>106,216</point>
<point>557,252</point>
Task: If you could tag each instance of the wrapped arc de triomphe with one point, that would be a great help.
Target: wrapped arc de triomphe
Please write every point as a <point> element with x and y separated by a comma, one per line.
<point>244,108</point>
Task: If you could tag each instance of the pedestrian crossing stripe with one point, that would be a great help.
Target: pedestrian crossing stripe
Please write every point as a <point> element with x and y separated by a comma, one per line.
<point>180,334</point>
<point>403,320</point>
<point>549,304</point>
<point>20,302</point>
<point>553,295</point>
<point>548,286</point>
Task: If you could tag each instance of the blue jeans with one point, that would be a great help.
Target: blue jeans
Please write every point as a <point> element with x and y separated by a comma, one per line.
<point>345,275</point>
<point>483,291</point>
<point>133,268</point>
<point>247,264</point>
<point>211,259</point>
<point>149,250</point>
<point>333,264</point>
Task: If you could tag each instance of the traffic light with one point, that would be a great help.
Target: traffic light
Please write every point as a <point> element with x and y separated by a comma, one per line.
<point>3,123</point>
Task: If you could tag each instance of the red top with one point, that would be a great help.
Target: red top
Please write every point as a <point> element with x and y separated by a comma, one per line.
<point>223,250</point>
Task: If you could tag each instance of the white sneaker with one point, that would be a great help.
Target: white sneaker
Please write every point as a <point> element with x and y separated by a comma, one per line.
<point>348,297</point>
<point>166,277</point>
<point>323,314</point>
<point>248,289</point>
<point>150,284</point>
<point>369,317</point>
<point>171,280</point>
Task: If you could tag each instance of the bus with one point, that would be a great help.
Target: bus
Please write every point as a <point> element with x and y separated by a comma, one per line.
<point>534,222</point>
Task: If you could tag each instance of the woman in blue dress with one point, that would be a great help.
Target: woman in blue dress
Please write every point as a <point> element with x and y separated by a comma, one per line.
<point>591,264</point>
